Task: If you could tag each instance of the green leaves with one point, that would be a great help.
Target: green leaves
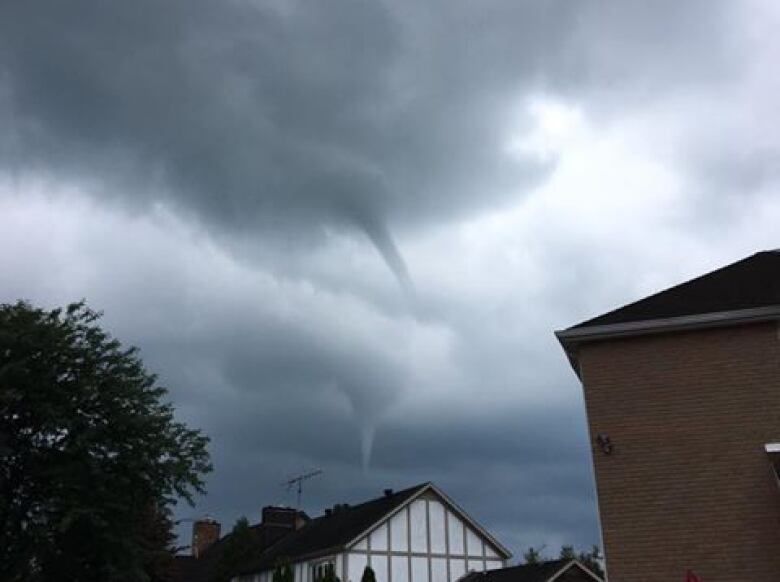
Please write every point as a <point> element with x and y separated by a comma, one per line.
<point>87,449</point>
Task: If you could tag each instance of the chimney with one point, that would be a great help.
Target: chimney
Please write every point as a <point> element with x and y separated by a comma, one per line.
<point>205,531</point>
<point>284,517</point>
<point>388,492</point>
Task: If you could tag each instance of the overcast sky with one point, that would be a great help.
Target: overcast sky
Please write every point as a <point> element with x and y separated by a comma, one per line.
<point>343,232</point>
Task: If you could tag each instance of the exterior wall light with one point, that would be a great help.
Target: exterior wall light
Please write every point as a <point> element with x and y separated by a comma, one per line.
<point>603,441</point>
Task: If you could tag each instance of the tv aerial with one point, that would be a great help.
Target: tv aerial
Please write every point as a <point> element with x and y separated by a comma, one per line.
<point>297,482</point>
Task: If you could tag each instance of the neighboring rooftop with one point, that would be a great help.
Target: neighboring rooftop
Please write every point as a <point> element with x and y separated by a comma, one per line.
<point>204,568</point>
<point>335,529</point>
<point>340,526</point>
<point>564,570</point>
<point>751,283</point>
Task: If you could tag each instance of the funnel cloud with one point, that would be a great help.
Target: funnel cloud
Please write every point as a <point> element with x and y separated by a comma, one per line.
<point>243,187</point>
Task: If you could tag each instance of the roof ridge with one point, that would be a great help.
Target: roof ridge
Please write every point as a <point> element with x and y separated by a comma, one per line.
<point>374,499</point>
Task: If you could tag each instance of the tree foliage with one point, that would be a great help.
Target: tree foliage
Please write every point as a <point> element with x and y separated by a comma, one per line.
<point>158,543</point>
<point>532,556</point>
<point>330,575</point>
<point>238,547</point>
<point>91,457</point>
<point>368,575</point>
<point>568,553</point>
<point>592,560</point>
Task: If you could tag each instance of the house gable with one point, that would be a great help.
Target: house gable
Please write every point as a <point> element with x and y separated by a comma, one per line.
<point>427,538</point>
<point>430,505</point>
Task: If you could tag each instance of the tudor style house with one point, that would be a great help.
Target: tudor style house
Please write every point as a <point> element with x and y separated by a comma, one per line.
<point>682,391</point>
<point>415,535</point>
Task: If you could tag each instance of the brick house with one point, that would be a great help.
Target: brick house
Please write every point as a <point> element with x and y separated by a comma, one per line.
<point>682,391</point>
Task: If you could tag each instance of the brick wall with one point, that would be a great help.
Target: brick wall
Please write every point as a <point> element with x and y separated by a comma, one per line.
<point>688,484</point>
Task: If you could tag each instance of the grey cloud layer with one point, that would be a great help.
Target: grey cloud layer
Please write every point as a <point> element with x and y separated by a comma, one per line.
<point>274,125</point>
<point>257,118</point>
<point>266,117</point>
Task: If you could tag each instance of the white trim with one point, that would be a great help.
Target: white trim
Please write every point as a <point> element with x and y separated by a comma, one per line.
<point>482,531</point>
<point>331,559</point>
<point>772,448</point>
<point>447,502</point>
<point>773,452</point>
<point>428,538</point>
<point>398,553</point>
<point>568,566</point>
<point>571,337</point>
<point>447,543</point>
<point>714,318</point>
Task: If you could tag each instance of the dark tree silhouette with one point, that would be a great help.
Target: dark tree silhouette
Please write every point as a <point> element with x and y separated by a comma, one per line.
<point>368,575</point>
<point>532,556</point>
<point>240,546</point>
<point>283,572</point>
<point>91,456</point>
<point>591,560</point>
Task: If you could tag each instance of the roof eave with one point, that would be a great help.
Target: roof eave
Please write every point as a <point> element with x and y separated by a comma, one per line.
<point>572,337</point>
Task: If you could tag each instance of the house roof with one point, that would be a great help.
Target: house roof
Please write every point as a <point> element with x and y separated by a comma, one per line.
<point>541,572</point>
<point>332,531</point>
<point>327,534</point>
<point>750,283</point>
<point>745,291</point>
<point>203,568</point>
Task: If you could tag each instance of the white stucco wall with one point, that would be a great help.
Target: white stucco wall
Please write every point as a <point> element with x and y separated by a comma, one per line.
<point>424,542</point>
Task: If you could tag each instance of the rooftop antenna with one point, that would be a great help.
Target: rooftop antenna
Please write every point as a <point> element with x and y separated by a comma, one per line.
<point>298,481</point>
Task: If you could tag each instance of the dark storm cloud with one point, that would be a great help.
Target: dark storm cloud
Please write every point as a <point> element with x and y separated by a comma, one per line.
<point>285,118</point>
<point>256,117</point>
<point>272,125</point>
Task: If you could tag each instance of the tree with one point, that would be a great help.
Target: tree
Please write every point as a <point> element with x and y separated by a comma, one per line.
<point>283,572</point>
<point>239,546</point>
<point>158,543</point>
<point>568,553</point>
<point>92,458</point>
<point>593,560</point>
<point>368,575</point>
<point>330,574</point>
<point>532,556</point>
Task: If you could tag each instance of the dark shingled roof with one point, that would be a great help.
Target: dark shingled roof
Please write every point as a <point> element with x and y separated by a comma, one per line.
<point>204,568</point>
<point>541,572</point>
<point>331,532</point>
<point>747,284</point>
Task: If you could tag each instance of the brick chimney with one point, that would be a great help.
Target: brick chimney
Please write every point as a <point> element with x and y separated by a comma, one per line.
<point>205,531</point>
<point>283,517</point>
